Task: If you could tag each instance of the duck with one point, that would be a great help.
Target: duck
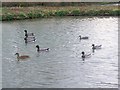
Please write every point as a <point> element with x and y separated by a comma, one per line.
<point>28,34</point>
<point>96,46</point>
<point>22,57</point>
<point>29,39</point>
<point>83,37</point>
<point>44,49</point>
<point>85,55</point>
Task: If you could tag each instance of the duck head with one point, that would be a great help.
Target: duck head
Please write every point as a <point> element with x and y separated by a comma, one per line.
<point>17,54</point>
<point>93,45</point>
<point>25,31</point>
<point>38,48</point>
<point>83,53</point>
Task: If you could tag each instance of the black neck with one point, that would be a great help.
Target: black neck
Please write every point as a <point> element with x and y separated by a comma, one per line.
<point>38,49</point>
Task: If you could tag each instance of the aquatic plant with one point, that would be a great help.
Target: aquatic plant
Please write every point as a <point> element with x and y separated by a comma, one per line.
<point>22,15</point>
<point>75,12</point>
<point>61,13</point>
<point>9,16</point>
<point>115,12</point>
<point>30,15</point>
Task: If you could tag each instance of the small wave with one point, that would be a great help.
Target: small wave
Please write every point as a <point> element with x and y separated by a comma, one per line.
<point>109,83</point>
<point>46,72</point>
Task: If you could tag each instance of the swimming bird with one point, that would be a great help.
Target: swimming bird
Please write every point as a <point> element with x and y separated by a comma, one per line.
<point>28,34</point>
<point>29,39</point>
<point>21,57</point>
<point>96,46</point>
<point>44,49</point>
<point>85,55</point>
<point>83,37</point>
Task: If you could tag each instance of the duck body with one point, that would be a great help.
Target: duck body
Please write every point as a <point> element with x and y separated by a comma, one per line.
<point>96,46</point>
<point>29,39</point>
<point>83,37</point>
<point>21,57</point>
<point>43,49</point>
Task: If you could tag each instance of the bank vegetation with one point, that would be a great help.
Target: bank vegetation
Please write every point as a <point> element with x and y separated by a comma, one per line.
<point>47,11</point>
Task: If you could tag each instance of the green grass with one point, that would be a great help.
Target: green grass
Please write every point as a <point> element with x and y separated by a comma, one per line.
<point>18,13</point>
<point>61,13</point>
<point>75,13</point>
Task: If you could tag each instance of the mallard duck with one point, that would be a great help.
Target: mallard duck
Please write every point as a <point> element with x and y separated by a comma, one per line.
<point>28,34</point>
<point>83,37</point>
<point>96,46</point>
<point>21,57</point>
<point>44,49</point>
<point>85,55</point>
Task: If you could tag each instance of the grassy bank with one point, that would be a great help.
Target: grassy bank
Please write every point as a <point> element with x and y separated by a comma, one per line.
<point>18,13</point>
<point>28,4</point>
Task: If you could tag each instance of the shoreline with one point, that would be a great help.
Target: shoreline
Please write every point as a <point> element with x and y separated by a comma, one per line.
<point>22,13</point>
<point>59,17</point>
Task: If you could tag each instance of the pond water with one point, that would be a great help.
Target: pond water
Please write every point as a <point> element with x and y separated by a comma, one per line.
<point>62,66</point>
